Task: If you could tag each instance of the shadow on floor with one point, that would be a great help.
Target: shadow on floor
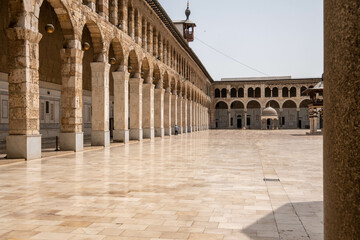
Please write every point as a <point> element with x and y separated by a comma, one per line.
<point>296,221</point>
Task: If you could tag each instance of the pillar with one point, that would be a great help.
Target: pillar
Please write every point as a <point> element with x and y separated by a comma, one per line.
<point>189,116</point>
<point>148,110</point>
<point>103,8</point>
<point>113,8</point>
<point>100,134</point>
<point>298,118</point>
<point>194,116</point>
<point>71,136</point>
<point>135,89</point>
<point>121,105</point>
<point>341,120</point>
<point>174,99</point>
<point>167,113</point>
<point>245,119</point>
<point>179,114</point>
<point>24,140</point>
<point>184,112</point>
<point>159,103</point>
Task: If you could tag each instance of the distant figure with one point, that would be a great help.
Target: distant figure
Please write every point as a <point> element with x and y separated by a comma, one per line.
<point>176,130</point>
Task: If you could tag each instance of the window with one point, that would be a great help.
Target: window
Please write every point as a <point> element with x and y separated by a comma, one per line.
<point>52,112</point>
<point>47,107</point>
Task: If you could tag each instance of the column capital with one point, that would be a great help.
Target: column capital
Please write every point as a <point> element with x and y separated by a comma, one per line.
<point>20,33</point>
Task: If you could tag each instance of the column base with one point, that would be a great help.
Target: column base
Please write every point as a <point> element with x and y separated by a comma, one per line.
<point>71,142</point>
<point>23,146</point>
<point>168,131</point>
<point>149,133</point>
<point>189,129</point>
<point>121,136</point>
<point>100,138</point>
<point>159,132</point>
<point>136,134</point>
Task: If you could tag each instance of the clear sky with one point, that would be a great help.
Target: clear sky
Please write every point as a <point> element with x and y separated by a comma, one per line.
<point>276,37</point>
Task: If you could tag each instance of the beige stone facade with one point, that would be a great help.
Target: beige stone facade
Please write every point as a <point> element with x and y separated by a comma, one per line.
<point>111,70</point>
<point>239,102</point>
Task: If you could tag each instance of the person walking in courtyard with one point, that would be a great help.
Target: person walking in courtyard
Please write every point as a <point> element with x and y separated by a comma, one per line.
<point>176,130</point>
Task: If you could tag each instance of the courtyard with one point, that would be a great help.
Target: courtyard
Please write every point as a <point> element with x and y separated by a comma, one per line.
<point>204,185</point>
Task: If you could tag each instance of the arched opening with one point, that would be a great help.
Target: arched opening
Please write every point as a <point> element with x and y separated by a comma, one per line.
<point>289,118</point>
<point>237,113</point>
<point>136,26</point>
<point>50,75</point>
<point>130,20</point>
<point>217,93</point>
<point>253,120</point>
<point>233,92</point>
<point>267,92</point>
<point>275,92</point>
<point>285,92</point>
<point>121,15</point>
<point>293,92</point>
<point>222,117</point>
<point>223,93</point>
<point>302,89</point>
<point>257,92</point>
<point>250,92</point>
<point>304,121</point>
<point>241,92</point>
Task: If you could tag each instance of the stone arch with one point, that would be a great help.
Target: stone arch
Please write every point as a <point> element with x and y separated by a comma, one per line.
<point>146,71</point>
<point>233,92</point>
<point>136,25</point>
<point>118,51</point>
<point>285,92</point>
<point>253,104</point>
<point>130,21</point>
<point>302,89</point>
<point>289,104</point>
<point>272,103</point>
<point>217,93</point>
<point>293,92</point>
<point>305,103</point>
<point>97,41</point>
<point>237,105</point>
<point>221,105</point>
<point>157,76</point>
<point>133,64</point>
<point>223,93</point>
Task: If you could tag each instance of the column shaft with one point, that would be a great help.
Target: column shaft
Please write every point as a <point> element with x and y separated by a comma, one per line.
<point>121,106</point>
<point>148,111</point>
<point>179,114</point>
<point>167,113</point>
<point>185,118</point>
<point>100,134</point>
<point>174,99</point>
<point>189,112</point>
<point>159,112</point>
<point>135,89</point>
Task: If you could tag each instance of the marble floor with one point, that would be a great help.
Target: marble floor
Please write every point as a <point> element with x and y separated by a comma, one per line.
<point>207,185</point>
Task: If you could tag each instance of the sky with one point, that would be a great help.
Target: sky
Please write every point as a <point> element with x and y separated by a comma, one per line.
<point>273,37</point>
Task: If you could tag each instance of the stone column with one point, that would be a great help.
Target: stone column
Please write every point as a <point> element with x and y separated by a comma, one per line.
<point>135,89</point>
<point>159,112</point>
<point>198,116</point>
<point>167,112</point>
<point>148,111</point>
<point>189,116</point>
<point>280,119</point>
<point>71,136</point>
<point>113,8</point>
<point>100,134</point>
<point>341,120</point>
<point>24,140</point>
<point>245,119</point>
<point>103,10</point>
<point>174,99</point>
<point>121,105</point>
<point>179,114</point>
<point>185,118</point>
<point>194,117</point>
<point>297,117</point>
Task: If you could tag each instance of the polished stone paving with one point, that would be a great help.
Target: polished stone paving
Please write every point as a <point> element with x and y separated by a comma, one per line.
<point>206,185</point>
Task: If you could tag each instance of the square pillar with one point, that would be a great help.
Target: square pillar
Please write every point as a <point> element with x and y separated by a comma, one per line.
<point>148,111</point>
<point>135,88</point>
<point>24,140</point>
<point>100,134</point>
<point>194,116</point>
<point>159,112</point>
<point>121,106</point>
<point>179,114</point>
<point>189,116</point>
<point>71,136</point>
<point>167,113</point>
<point>184,112</point>
<point>174,99</point>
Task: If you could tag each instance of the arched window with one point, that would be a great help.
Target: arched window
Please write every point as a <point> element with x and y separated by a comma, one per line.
<point>275,92</point>
<point>233,92</point>
<point>251,92</point>
<point>285,92</point>
<point>267,92</point>
<point>217,93</point>
<point>302,89</point>
<point>223,93</point>
<point>241,93</point>
<point>258,92</point>
<point>293,92</point>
